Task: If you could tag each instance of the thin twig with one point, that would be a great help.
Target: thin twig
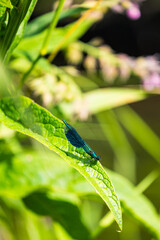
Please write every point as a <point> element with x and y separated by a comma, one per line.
<point>71,30</point>
<point>45,42</point>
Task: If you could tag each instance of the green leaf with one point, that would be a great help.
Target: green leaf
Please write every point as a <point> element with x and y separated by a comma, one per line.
<point>140,131</point>
<point>23,115</point>
<point>2,20</point>
<point>17,16</point>
<point>32,45</point>
<point>40,23</point>
<point>6,3</point>
<point>100,100</point>
<point>136,205</point>
<point>61,209</point>
<point>125,156</point>
<point>60,232</point>
<point>30,171</point>
<point>20,178</point>
<point>103,99</point>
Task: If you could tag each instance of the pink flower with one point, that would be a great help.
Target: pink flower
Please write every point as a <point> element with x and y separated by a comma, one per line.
<point>152,81</point>
<point>118,8</point>
<point>133,11</point>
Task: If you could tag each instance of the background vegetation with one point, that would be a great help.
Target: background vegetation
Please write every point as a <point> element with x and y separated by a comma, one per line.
<point>55,64</point>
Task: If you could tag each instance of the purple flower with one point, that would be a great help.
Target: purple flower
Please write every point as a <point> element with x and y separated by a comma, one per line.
<point>133,11</point>
<point>152,81</point>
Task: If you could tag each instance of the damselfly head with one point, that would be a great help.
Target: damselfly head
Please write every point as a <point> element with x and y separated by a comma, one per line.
<point>98,158</point>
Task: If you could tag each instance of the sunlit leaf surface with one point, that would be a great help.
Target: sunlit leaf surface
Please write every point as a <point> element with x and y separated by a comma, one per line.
<point>23,115</point>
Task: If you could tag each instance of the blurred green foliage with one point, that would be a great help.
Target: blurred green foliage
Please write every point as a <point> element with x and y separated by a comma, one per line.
<point>42,197</point>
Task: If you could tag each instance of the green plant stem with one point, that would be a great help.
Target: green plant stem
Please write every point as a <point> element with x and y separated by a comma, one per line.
<point>147,181</point>
<point>125,158</point>
<point>43,50</point>
<point>97,53</point>
<point>72,30</point>
<point>52,27</point>
<point>140,130</point>
<point>23,79</point>
<point>105,222</point>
